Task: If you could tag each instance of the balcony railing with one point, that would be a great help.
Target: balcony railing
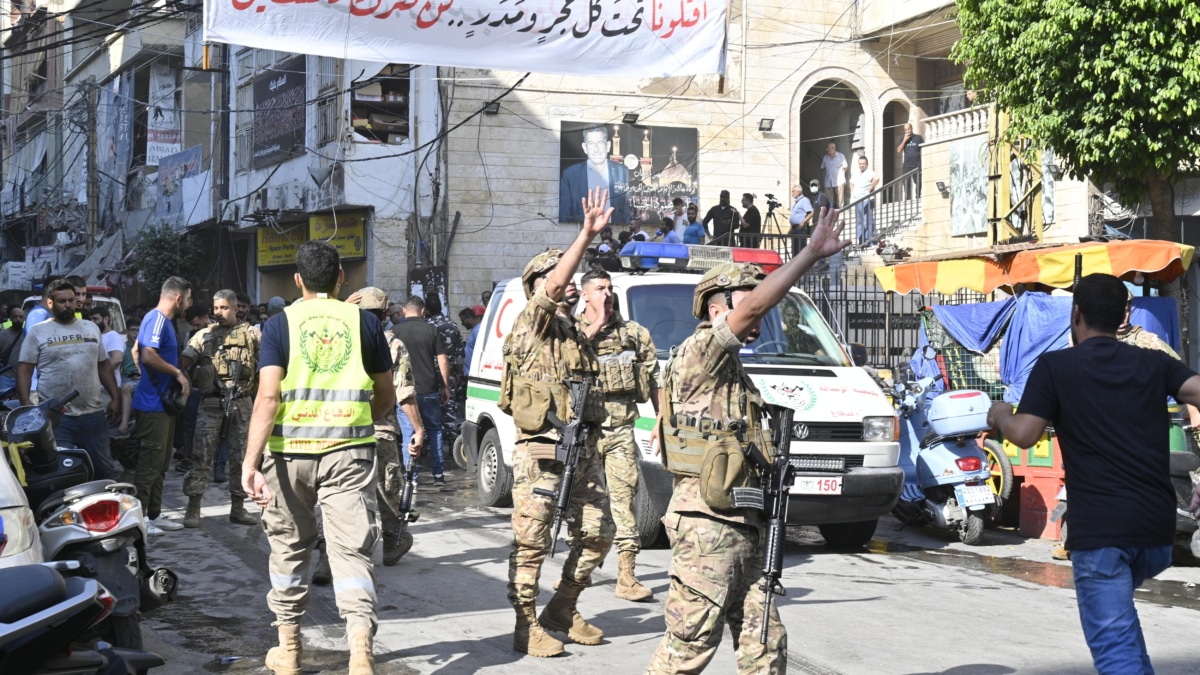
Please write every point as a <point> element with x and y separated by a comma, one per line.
<point>960,123</point>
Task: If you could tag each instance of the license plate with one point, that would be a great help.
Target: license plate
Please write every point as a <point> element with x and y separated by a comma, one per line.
<point>817,485</point>
<point>974,495</point>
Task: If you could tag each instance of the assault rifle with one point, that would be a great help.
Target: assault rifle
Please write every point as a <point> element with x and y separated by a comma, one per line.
<point>228,396</point>
<point>776,478</point>
<point>572,439</point>
<point>407,513</point>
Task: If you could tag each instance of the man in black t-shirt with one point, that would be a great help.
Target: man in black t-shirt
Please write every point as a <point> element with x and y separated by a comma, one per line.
<point>723,218</point>
<point>431,375</point>
<point>1107,403</point>
<point>751,225</point>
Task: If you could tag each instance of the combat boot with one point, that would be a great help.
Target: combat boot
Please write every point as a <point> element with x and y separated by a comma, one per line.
<point>560,615</point>
<point>285,659</point>
<point>322,576</point>
<point>628,586</point>
<point>529,637</point>
<point>238,513</point>
<point>191,517</point>
<point>362,658</point>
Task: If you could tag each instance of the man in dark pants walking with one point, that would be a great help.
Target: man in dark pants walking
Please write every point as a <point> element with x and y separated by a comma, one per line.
<point>431,373</point>
<point>1107,403</point>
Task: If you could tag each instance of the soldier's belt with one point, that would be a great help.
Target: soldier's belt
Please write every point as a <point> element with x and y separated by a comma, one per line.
<point>705,424</point>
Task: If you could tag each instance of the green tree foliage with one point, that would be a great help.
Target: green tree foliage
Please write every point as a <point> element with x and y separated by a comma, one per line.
<point>162,251</point>
<point>1112,85</point>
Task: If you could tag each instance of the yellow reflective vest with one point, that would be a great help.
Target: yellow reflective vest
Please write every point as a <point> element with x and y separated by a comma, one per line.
<point>325,397</point>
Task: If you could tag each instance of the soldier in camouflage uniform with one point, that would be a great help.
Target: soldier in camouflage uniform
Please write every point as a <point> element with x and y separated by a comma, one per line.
<point>452,411</point>
<point>212,356</point>
<point>542,351</point>
<point>628,375</point>
<point>708,402</point>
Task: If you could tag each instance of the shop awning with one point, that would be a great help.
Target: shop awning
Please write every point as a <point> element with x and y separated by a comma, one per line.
<point>1054,266</point>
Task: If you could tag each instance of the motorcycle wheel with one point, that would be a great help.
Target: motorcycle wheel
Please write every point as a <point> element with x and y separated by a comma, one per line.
<point>122,631</point>
<point>971,531</point>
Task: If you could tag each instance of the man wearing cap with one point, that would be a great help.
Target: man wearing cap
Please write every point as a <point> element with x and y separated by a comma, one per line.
<point>388,466</point>
<point>542,352</point>
<point>723,218</point>
<point>707,400</point>
<point>223,361</point>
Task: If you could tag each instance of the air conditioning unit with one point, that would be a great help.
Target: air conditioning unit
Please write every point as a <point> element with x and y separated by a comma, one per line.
<point>273,197</point>
<point>256,201</point>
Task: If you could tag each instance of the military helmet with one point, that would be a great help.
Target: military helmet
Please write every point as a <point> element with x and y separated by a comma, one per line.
<point>372,298</point>
<point>725,277</point>
<point>541,264</point>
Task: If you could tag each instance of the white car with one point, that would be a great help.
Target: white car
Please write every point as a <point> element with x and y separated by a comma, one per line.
<point>23,545</point>
<point>844,445</point>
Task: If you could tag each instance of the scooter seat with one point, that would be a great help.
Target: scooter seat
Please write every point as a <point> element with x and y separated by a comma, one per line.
<point>29,589</point>
<point>1183,463</point>
<point>73,493</point>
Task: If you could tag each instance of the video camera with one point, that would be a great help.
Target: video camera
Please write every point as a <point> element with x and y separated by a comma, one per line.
<point>772,203</point>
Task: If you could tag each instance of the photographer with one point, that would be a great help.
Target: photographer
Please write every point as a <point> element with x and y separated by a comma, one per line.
<point>751,224</point>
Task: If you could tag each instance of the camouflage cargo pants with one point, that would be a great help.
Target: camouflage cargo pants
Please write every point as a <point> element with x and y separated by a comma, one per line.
<point>590,535</point>
<point>208,442</point>
<point>390,475</point>
<point>716,573</point>
<point>619,453</point>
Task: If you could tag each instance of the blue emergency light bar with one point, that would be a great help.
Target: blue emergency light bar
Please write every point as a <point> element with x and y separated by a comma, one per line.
<point>650,255</point>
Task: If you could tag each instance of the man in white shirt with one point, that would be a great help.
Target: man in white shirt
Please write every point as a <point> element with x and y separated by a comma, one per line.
<point>800,220</point>
<point>112,341</point>
<point>863,183</point>
<point>679,217</point>
<point>835,167</point>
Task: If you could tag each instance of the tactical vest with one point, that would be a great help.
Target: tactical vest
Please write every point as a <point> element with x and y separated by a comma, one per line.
<point>214,368</point>
<point>535,372</point>
<point>620,374</point>
<point>325,397</point>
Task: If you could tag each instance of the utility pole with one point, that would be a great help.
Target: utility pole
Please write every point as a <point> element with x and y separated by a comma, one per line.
<point>93,172</point>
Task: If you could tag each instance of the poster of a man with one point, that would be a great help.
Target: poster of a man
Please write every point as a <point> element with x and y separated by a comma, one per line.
<point>597,171</point>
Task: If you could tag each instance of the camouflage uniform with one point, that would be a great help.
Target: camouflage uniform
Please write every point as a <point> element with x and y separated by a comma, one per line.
<point>628,370</point>
<point>388,464</point>
<point>452,412</point>
<point>213,351</point>
<point>716,560</point>
<point>1140,337</point>
<point>542,351</point>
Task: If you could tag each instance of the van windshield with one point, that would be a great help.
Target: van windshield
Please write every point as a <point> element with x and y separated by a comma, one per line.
<point>792,333</point>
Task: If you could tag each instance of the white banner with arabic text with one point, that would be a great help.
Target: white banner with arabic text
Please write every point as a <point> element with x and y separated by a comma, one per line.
<point>630,38</point>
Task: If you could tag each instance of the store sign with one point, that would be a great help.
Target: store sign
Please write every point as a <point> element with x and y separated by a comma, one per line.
<point>279,248</point>
<point>344,233</point>
<point>279,113</point>
<point>613,38</point>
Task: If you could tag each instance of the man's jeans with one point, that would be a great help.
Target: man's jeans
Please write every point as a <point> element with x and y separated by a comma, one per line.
<point>89,432</point>
<point>1105,579</point>
<point>864,213</point>
<point>430,407</point>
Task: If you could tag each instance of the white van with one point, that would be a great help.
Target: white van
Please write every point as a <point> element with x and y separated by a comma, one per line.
<point>844,443</point>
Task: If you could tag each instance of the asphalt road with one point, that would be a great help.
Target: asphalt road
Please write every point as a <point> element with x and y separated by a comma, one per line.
<point>916,602</point>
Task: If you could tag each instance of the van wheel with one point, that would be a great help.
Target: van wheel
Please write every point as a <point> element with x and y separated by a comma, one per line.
<point>848,536</point>
<point>651,533</point>
<point>495,479</point>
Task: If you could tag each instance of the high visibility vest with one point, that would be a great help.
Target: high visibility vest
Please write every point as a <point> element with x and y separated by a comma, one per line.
<point>325,397</point>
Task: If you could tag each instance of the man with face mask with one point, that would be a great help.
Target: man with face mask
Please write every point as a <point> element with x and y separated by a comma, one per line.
<point>214,356</point>
<point>707,398</point>
<point>70,356</point>
<point>628,376</point>
<point>544,350</point>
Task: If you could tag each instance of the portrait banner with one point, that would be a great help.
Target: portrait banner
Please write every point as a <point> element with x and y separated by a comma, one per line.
<point>629,38</point>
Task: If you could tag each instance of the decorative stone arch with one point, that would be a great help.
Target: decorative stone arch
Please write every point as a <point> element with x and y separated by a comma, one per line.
<point>894,94</point>
<point>867,96</point>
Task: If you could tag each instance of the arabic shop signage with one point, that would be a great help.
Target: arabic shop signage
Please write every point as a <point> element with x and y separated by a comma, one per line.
<point>279,113</point>
<point>626,38</point>
<point>279,248</point>
<point>877,321</point>
<point>345,233</point>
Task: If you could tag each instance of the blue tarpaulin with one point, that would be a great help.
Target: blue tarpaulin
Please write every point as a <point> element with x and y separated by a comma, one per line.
<point>1159,316</point>
<point>1040,324</point>
<point>926,368</point>
<point>977,325</point>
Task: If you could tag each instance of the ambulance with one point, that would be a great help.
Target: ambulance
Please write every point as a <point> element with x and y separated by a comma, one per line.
<point>844,437</point>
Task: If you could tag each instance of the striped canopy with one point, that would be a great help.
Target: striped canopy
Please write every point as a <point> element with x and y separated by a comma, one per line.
<point>1054,266</point>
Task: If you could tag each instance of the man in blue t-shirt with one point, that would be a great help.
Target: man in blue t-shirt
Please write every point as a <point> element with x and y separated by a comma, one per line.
<point>1107,403</point>
<point>158,354</point>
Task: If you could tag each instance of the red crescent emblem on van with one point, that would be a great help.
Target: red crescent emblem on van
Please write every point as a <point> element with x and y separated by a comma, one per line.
<point>500,316</point>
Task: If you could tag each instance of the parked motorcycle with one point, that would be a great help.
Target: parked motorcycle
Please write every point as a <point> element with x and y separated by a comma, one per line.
<point>45,611</point>
<point>99,524</point>
<point>946,473</point>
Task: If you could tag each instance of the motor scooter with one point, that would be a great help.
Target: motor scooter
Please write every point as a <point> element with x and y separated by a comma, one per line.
<point>945,470</point>
<point>96,523</point>
<point>46,611</point>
